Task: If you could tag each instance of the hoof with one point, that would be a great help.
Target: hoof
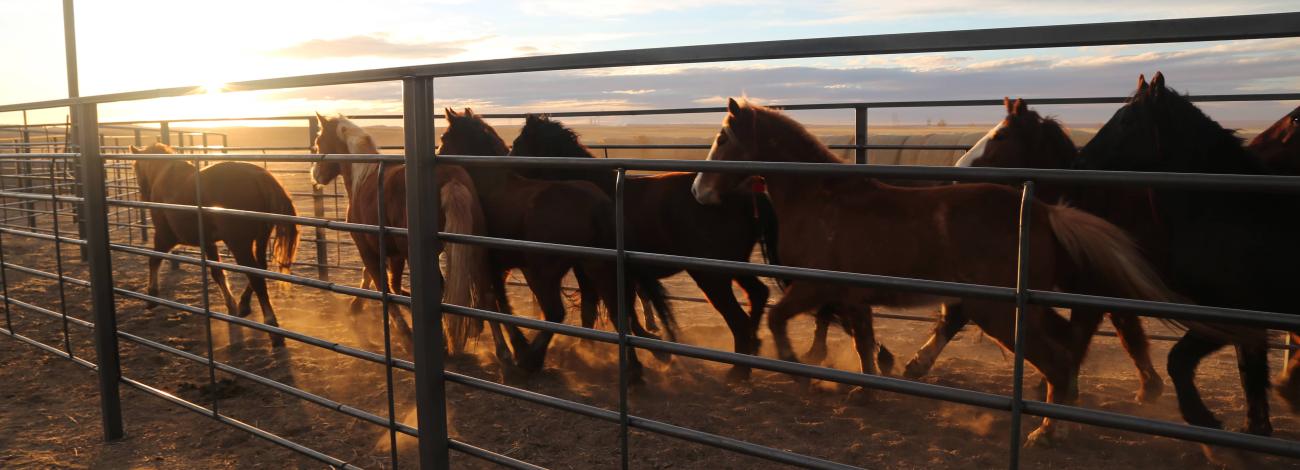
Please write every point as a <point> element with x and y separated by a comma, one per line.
<point>860,396</point>
<point>816,354</point>
<point>150,305</point>
<point>885,362</point>
<point>914,370</point>
<point>738,375</point>
<point>1151,392</point>
<point>244,311</point>
<point>277,341</point>
<point>1040,438</point>
<point>662,356</point>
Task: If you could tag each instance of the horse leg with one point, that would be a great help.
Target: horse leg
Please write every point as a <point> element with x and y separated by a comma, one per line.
<point>163,242</point>
<point>545,285</point>
<point>517,339</point>
<point>590,302</point>
<point>799,297</point>
<point>370,271</point>
<point>1288,386</point>
<point>219,277</point>
<point>396,264</point>
<point>1133,337</point>
<point>1183,359</point>
<point>952,318</point>
<point>817,352</point>
<point>864,341</point>
<point>1252,365</point>
<point>1047,347</point>
<point>647,311</point>
<point>757,294</point>
<point>717,288</point>
<point>245,257</point>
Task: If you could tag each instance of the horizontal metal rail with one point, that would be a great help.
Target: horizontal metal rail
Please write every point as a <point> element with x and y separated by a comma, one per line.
<point>1273,25</point>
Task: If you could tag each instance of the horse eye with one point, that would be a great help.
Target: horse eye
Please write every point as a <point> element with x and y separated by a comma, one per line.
<point>1295,119</point>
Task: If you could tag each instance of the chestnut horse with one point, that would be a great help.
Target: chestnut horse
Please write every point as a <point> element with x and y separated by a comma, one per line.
<point>575,213</point>
<point>1278,150</point>
<point>1025,139</point>
<point>231,185</point>
<point>956,233</point>
<point>663,217</point>
<point>467,280</point>
<point>1224,249</point>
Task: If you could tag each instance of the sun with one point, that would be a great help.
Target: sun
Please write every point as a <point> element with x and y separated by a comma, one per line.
<point>213,88</point>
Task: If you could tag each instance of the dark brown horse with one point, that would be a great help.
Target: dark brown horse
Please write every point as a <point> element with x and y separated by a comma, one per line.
<point>1025,139</point>
<point>958,233</point>
<point>467,280</point>
<point>1278,150</point>
<point>232,185</point>
<point>1226,249</point>
<point>663,217</point>
<point>573,213</point>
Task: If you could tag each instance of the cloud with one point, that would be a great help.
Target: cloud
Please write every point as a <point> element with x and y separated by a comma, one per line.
<point>376,45</point>
<point>1242,67</point>
<point>616,8</point>
<point>855,11</point>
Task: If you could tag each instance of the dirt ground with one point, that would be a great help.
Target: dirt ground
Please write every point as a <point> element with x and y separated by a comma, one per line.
<point>49,409</point>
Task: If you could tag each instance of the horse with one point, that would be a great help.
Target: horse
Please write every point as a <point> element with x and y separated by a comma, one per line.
<point>1223,249</point>
<point>230,185</point>
<point>663,217</point>
<point>575,213</point>
<point>956,233</point>
<point>1278,151</point>
<point>467,280</point>
<point>1025,139</point>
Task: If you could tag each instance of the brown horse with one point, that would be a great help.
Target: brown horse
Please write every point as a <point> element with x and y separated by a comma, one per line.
<point>1025,139</point>
<point>1278,151</point>
<point>573,213</point>
<point>956,233</point>
<point>663,217</point>
<point>232,185</point>
<point>467,280</point>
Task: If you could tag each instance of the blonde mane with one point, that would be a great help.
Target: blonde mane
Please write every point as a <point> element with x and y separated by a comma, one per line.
<point>358,142</point>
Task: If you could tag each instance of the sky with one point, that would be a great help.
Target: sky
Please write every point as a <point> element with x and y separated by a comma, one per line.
<point>127,45</point>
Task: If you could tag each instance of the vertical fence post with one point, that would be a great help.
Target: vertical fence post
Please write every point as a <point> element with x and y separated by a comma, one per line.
<point>860,133</point>
<point>623,349</point>
<point>26,169</point>
<point>165,132</point>
<point>422,206</point>
<point>1018,370</point>
<point>318,210</point>
<point>101,271</point>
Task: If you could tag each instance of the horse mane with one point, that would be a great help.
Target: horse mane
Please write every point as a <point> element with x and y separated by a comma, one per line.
<point>553,138</point>
<point>358,141</point>
<point>780,129</point>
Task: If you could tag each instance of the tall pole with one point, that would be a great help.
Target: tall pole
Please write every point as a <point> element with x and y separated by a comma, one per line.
<point>74,91</point>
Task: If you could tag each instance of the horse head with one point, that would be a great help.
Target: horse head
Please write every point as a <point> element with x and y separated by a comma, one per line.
<point>1161,130</point>
<point>543,137</point>
<point>1023,139</point>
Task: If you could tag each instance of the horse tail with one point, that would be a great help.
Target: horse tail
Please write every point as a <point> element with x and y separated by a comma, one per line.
<point>467,268</point>
<point>768,231</point>
<point>284,239</point>
<point>658,296</point>
<point>1118,268</point>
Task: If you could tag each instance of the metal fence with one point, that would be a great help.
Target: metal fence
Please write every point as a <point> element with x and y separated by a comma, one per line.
<point>427,310</point>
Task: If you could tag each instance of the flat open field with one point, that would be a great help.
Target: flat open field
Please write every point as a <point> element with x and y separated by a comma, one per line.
<point>49,411</point>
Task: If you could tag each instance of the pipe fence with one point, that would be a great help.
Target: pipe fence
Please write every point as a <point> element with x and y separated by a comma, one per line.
<point>95,203</point>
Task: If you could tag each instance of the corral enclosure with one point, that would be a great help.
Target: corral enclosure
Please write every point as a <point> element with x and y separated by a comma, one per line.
<point>485,408</point>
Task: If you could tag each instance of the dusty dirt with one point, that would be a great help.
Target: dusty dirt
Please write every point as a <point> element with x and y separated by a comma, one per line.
<point>49,412</point>
<point>49,409</point>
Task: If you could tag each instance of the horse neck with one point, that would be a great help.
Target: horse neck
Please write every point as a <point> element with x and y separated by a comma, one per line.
<point>793,195</point>
<point>172,181</point>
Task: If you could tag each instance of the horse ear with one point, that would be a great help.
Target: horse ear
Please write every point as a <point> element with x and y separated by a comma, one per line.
<point>135,149</point>
<point>319,118</point>
<point>732,106</point>
<point>1158,82</point>
<point>1021,107</point>
<point>469,112</point>
<point>1142,83</point>
<point>450,113</point>
<point>1006,103</point>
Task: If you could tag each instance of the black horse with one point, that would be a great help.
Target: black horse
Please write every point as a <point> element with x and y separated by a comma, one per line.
<point>663,217</point>
<point>1224,249</point>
